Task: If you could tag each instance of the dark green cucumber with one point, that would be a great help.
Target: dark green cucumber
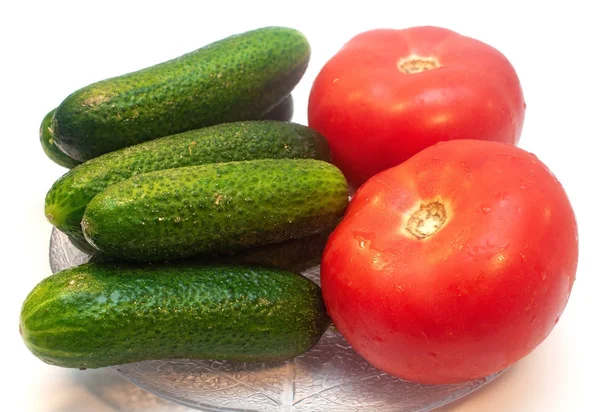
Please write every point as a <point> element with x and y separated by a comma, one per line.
<point>50,148</point>
<point>80,243</point>
<point>98,315</point>
<point>183,212</point>
<point>295,255</point>
<point>241,77</point>
<point>68,197</point>
<point>283,112</point>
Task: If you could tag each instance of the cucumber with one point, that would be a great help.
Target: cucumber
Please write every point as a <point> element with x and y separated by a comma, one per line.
<point>283,112</point>
<point>81,244</point>
<point>241,77</point>
<point>295,255</point>
<point>50,148</point>
<point>98,315</point>
<point>182,212</point>
<point>67,199</point>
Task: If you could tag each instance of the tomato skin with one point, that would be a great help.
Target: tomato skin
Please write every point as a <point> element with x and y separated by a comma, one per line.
<point>475,296</point>
<point>374,116</point>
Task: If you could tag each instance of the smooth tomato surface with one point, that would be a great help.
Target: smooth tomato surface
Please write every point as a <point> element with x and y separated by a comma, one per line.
<point>377,109</point>
<point>453,265</point>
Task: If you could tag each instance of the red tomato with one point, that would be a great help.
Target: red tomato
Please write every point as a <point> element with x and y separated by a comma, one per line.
<point>388,94</point>
<point>453,265</point>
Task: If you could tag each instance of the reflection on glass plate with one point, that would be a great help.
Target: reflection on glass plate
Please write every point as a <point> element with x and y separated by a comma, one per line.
<point>329,378</point>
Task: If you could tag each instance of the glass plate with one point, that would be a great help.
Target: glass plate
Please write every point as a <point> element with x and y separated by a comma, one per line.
<point>329,378</point>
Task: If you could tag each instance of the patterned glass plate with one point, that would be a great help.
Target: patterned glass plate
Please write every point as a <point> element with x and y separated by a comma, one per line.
<point>329,378</point>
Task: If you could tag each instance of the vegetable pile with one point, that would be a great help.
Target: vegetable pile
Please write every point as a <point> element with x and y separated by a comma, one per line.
<point>454,258</point>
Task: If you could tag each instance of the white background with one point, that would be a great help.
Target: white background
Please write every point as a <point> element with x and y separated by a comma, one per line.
<point>52,48</point>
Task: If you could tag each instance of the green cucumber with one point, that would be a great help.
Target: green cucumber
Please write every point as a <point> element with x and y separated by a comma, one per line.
<point>241,77</point>
<point>98,315</point>
<point>283,112</point>
<point>80,243</point>
<point>50,148</point>
<point>295,255</point>
<point>67,199</point>
<point>183,212</point>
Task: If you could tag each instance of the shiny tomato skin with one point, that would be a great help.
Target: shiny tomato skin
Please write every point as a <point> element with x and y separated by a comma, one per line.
<point>374,116</point>
<point>473,297</point>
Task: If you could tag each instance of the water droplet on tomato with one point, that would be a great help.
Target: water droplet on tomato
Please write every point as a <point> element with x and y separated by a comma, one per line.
<point>362,242</point>
<point>543,275</point>
<point>485,209</point>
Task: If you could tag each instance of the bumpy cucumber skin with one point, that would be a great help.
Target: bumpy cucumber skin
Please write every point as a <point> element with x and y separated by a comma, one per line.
<point>67,199</point>
<point>241,77</point>
<point>283,112</point>
<point>50,148</point>
<point>183,212</point>
<point>98,315</point>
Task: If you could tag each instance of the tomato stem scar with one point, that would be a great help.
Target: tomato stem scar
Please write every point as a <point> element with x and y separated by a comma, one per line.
<point>427,220</point>
<point>417,64</point>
